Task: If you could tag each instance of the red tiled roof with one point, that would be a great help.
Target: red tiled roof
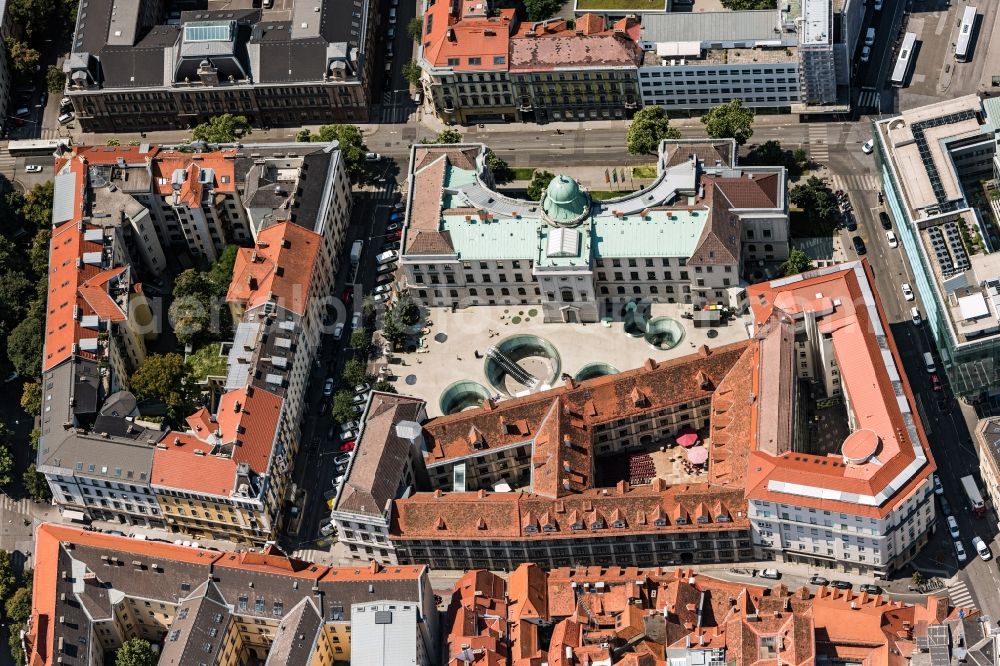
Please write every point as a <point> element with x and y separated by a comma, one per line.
<point>249,417</point>
<point>455,32</point>
<point>279,268</point>
<point>181,461</point>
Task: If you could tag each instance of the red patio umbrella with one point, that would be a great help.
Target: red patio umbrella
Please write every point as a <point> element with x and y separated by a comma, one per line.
<point>697,455</point>
<point>687,437</point>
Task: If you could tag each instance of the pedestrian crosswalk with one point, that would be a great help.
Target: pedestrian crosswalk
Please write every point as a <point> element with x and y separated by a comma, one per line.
<point>819,148</point>
<point>870,99</point>
<point>855,182</point>
<point>8,504</point>
<point>960,595</point>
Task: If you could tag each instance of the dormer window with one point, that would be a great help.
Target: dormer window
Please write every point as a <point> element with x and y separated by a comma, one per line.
<point>722,519</point>
<point>578,526</point>
<point>660,522</point>
<point>597,525</point>
<point>530,528</point>
<point>702,520</point>
<point>549,528</point>
<point>682,521</point>
<point>619,524</point>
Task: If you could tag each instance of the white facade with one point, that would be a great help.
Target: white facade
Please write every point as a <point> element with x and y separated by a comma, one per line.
<point>389,633</point>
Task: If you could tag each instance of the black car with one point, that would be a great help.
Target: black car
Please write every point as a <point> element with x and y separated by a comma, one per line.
<point>870,588</point>
<point>859,245</point>
<point>818,580</point>
<point>945,507</point>
<point>841,584</point>
<point>850,221</point>
<point>884,219</point>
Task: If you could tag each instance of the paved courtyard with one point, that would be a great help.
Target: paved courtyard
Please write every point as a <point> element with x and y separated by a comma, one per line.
<point>453,339</point>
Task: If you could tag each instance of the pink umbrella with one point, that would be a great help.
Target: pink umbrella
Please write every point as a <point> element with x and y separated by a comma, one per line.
<point>698,455</point>
<point>687,437</point>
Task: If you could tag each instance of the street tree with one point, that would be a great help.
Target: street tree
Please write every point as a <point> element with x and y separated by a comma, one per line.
<point>352,146</point>
<point>342,407</point>
<point>797,262</point>
<point>385,386</point>
<point>135,652</point>
<point>649,127</point>
<point>225,128</point>
<point>816,200</point>
<point>359,338</point>
<point>23,58</point>
<point>24,347</point>
<point>411,72</point>
<point>31,398</point>
<point>539,181</point>
<point>8,579</point>
<point>502,172</point>
<point>6,465</point>
<point>447,136</point>
<point>415,28</point>
<point>354,372</point>
<point>37,208</point>
<point>392,332</point>
<point>18,606</point>
<point>740,5</point>
<point>34,16</point>
<point>55,80</point>
<point>729,121</point>
<point>35,484</point>
<point>407,311</point>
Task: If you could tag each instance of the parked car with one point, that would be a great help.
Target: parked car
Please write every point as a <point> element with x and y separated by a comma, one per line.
<point>385,268</point>
<point>890,238</point>
<point>372,157</point>
<point>938,488</point>
<point>841,584</point>
<point>866,53</point>
<point>868,146</point>
<point>849,221</point>
<point>389,256</point>
<point>981,548</point>
<point>362,388</point>
<point>348,427</point>
<point>395,225</point>
<point>859,245</point>
<point>818,580</point>
<point>382,288</point>
<point>347,446</point>
<point>883,218</point>
<point>326,529</point>
<point>348,295</point>
<point>385,278</point>
<point>381,298</point>
<point>338,330</point>
<point>953,527</point>
<point>773,574</point>
<point>915,316</point>
<point>907,291</point>
<point>936,384</point>
<point>33,168</point>
<point>65,118</point>
<point>64,102</point>
<point>871,588</point>
<point>394,217</point>
<point>945,506</point>
<point>328,387</point>
<point>960,551</point>
<point>360,398</point>
<point>355,321</point>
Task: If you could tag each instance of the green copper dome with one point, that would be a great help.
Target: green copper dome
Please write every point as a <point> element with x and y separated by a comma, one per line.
<point>564,203</point>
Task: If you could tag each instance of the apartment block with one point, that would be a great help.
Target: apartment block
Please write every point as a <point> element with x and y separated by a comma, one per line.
<point>224,477</point>
<point>988,447</point>
<point>171,67</point>
<point>93,591</point>
<point>690,237</point>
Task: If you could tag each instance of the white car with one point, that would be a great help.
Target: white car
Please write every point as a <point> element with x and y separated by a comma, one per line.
<point>981,548</point>
<point>65,118</point>
<point>326,529</point>
<point>868,146</point>
<point>890,237</point>
<point>372,157</point>
<point>953,527</point>
<point>387,257</point>
<point>773,574</point>
<point>878,5</point>
<point>960,552</point>
<point>907,292</point>
<point>381,298</point>
<point>938,488</point>
<point>866,53</point>
<point>328,387</point>
<point>338,330</point>
<point>382,288</point>
<point>355,321</point>
<point>33,168</point>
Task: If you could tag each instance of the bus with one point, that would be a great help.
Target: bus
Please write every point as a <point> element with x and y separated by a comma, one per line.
<point>972,492</point>
<point>965,34</point>
<point>36,147</point>
<point>903,60</point>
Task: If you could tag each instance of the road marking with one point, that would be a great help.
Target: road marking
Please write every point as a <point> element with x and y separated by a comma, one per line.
<point>960,595</point>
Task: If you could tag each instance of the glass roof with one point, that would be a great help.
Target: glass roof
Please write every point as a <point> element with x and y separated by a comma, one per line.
<point>208,31</point>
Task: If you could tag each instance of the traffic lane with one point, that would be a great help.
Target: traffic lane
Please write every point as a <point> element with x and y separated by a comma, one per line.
<point>887,24</point>
<point>32,171</point>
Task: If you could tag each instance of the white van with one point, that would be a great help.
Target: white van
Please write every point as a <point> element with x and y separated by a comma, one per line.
<point>870,37</point>
<point>915,316</point>
<point>929,363</point>
<point>981,548</point>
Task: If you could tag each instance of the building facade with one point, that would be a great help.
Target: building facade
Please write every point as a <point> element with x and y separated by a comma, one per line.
<point>988,447</point>
<point>926,157</point>
<point>690,237</point>
<point>295,64</point>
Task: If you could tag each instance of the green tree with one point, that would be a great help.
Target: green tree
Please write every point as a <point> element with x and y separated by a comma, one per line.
<point>55,80</point>
<point>502,173</point>
<point>800,157</point>
<point>770,153</point>
<point>445,136</point>
<point>411,72</point>
<point>221,272</point>
<point>815,198</point>
<point>385,386</point>
<point>539,10</point>
<point>34,16</point>
<point>303,135</point>
<point>359,338</point>
<point>6,465</point>
<point>38,255</point>
<point>222,129</point>
<point>193,306</point>
<point>33,438</point>
<point>163,377</point>
<point>16,292</point>
<point>539,181</point>
<point>917,578</point>
<point>415,29</point>
<point>368,306</point>
<point>391,330</point>
<point>135,652</point>
<point>354,372</point>
<point>8,580</point>
<point>18,606</point>
<point>352,146</point>
<point>729,121</point>
<point>739,5</point>
<point>797,262</point>
<point>31,398</point>
<point>407,311</point>
<point>37,208</point>
<point>649,127</point>
<point>24,347</point>
<point>23,58</point>
<point>35,484</point>
<point>342,408</point>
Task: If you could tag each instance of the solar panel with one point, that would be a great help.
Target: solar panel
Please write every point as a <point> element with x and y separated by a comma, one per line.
<point>218,31</point>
